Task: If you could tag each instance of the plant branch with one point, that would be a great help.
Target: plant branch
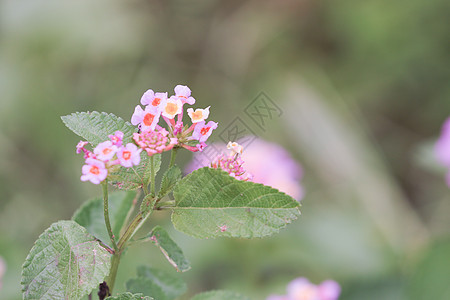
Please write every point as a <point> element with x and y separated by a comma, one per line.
<point>106,214</point>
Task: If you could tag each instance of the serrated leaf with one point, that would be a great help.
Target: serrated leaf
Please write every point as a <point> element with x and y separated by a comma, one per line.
<point>66,262</point>
<point>219,295</point>
<point>169,180</point>
<point>90,215</point>
<point>137,176</point>
<point>95,127</point>
<point>210,203</point>
<point>169,248</point>
<point>129,296</point>
<point>157,284</point>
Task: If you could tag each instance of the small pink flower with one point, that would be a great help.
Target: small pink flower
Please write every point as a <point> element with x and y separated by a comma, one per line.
<point>235,148</point>
<point>94,171</point>
<point>80,146</point>
<point>147,118</point>
<point>202,131</point>
<point>184,94</point>
<point>201,146</point>
<point>116,138</point>
<point>172,107</point>
<point>153,99</point>
<point>129,155</point>
<point>198,115</point>
<point>105,151</point>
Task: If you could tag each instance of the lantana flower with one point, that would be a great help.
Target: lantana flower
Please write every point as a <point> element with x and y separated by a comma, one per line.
<point>172,107</point>
<point>232,164</point>
<point>198,115</point>
<point>129,155</point>
<point>184,94</point>
<point>94,170</point>
<point>147,118</point>
<point>153,99</point>
<point>105,151</point>
<point>116,138</point>
<point>202,131</point>
<point>151,137</point>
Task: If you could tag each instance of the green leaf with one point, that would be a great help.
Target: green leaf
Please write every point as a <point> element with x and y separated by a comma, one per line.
<point>66,262</point>
<point>170,249</point>
<point>219,295</point>
<point>95,127</point>
<point>210,203</point>
<point>157,284</point>
<point>430,279</point>
<point>90,215</point>
<point>169,180</point>
<point>129,296</point>
<point>137,176</point>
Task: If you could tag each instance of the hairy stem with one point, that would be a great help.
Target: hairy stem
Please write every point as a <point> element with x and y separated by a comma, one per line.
<point>106,214</point>
<point>173,154</point>
<point>152,173</point>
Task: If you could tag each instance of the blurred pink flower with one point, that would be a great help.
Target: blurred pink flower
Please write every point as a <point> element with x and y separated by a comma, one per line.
<point>269,163</point>
<point>302,289</point>
<point>442,147</point>
<point>2,271</point>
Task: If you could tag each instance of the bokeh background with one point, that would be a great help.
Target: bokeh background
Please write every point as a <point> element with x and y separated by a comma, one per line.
<point>363,86</point>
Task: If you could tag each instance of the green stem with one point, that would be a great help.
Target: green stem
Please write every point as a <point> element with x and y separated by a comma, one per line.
<point>152,171</point>
<point>106,214</point>
<point>113,271</point>
<point>173,154</point>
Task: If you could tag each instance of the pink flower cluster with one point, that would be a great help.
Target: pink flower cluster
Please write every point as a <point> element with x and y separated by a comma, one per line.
<point>442,148</point>
<point>106,155</point>
<point>232,163</point>
<point>269,163</point>
<point>155,139</point>
<point>302,289</point>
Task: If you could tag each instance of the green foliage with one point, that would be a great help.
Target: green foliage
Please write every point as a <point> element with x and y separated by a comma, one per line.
<point>431,277</point>
<point>156,283</point>
<point>210,203</point>
<point>66,262</point>
<point>169,180</point>
<point>129,296</point>
<point>90,215</point>
<point>219,295</point>
<point>170,249</point>
<point>95,127</point>
<point>137,176</point>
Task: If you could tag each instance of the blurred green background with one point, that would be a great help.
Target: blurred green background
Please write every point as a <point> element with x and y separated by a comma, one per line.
<point>363,86</point>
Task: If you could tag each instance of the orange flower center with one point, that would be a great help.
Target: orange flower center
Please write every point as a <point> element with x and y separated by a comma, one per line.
<point>204,130</point>
<point>94,170</point>
<point>106,151</point>
<point>197,115</point>
<point>171,108</point>
<point>156,101</point>
<point>126,155</point>
<point>148,119</point>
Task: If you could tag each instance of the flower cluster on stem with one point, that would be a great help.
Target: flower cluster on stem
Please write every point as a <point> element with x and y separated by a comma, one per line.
<point>151,136</point>
<point>106,155</point>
